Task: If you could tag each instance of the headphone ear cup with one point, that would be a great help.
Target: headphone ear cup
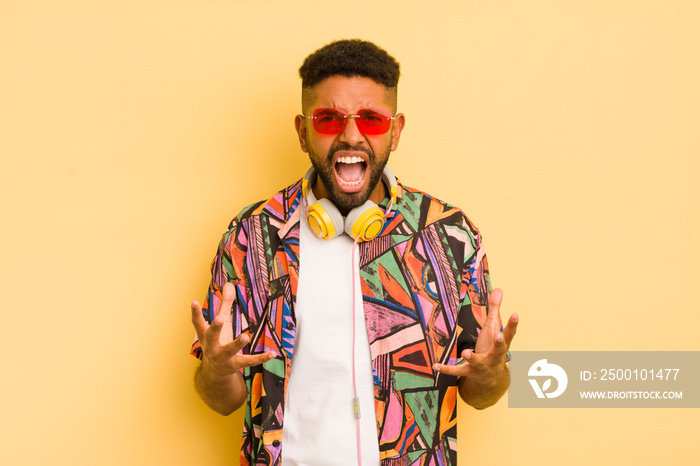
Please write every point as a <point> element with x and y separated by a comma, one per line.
<point>365,222</point>
<point>324,219</point>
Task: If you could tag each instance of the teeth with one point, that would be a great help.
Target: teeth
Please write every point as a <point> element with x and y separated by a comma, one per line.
<point>349,160</point>
<point>351,183</point>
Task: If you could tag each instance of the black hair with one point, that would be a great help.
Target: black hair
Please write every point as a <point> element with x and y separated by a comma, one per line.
<point>350,57</point>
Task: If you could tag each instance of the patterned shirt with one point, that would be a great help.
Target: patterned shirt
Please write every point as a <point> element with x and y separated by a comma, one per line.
<point>425,285</point>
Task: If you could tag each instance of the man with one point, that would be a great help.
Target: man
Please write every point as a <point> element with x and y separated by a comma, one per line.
<point>350,352</point>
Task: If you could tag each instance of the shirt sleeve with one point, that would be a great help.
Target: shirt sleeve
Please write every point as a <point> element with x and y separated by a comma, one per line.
<point>474,291</point>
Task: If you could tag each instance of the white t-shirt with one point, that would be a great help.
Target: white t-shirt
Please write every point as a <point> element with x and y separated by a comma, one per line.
<point>319,418</point>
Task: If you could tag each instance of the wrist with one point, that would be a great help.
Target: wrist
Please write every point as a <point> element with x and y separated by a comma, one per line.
<point>484,392</point>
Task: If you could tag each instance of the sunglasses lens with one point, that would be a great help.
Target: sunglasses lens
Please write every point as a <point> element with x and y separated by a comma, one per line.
<point>329,121</point>
<point>372,122</point>
<point>332,121</point>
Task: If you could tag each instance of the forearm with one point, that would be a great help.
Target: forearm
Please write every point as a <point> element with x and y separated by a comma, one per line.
<point>482,396</point>
<point>224,394</point>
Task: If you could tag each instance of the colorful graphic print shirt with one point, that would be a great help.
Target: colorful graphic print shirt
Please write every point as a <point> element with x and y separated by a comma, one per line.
<point>425,286</point>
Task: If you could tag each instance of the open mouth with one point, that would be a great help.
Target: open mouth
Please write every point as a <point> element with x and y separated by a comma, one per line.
<point>350,172</point>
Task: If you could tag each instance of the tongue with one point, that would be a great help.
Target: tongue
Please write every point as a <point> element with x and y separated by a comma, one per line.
<point>350,171</point>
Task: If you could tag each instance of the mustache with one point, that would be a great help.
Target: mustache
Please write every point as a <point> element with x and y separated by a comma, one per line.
<point>348,147</point>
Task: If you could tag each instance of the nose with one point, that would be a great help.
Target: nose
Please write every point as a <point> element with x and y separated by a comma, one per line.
<point>352,134</point>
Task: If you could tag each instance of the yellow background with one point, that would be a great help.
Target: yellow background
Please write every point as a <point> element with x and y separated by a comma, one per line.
<point>132,131</point>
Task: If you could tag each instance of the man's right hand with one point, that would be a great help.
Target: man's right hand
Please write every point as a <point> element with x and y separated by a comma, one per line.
<point>218,379</point>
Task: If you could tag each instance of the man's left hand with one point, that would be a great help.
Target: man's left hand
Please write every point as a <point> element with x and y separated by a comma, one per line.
<point>485,365</point>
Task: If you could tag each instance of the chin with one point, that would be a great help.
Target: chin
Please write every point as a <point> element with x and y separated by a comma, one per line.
<point>348,201</point>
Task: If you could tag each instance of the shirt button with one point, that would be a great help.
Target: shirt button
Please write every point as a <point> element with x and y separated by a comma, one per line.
<point>280,383</point>
<point>276,443</point>
<point>290,326</point>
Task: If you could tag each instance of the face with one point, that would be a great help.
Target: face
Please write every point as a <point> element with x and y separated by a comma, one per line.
<point>349,164</point>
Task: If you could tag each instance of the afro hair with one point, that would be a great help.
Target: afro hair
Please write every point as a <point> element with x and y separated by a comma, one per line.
<point>350,57</point>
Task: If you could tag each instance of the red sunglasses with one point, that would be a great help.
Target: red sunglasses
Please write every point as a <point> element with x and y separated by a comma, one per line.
<point>334,121</point>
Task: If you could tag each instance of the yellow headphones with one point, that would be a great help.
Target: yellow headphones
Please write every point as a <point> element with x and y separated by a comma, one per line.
<point>362,223</point>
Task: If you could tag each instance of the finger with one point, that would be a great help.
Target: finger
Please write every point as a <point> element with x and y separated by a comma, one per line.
<point>460,368</point>
<point>500,349</point>
<point>493,316</point>
<point>249,360</point>
<point>228,294</point>
<point>475,360</point>
<point>233,349</point>
<point>499,342</point>
<point>222,316</point>
<point>200,325</point>
<point>213,334</point>
<point>511,329</point>
<point>485,361</point>
<point>236,345</point>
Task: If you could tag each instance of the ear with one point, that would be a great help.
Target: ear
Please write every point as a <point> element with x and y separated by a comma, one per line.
<point>399,122</point>
<point>301,132</point>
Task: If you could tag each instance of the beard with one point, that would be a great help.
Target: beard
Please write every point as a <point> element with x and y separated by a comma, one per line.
<point>325,171</point>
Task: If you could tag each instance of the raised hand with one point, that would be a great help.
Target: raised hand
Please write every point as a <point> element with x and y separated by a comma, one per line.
<point>218,379</point>
<point>485,366</point>
<point>220,352</point>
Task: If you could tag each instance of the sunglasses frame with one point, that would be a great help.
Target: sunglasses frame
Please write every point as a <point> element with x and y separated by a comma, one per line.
<point>314,118</point>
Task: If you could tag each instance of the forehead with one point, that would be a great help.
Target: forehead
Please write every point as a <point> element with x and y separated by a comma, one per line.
<point>350,94</point>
